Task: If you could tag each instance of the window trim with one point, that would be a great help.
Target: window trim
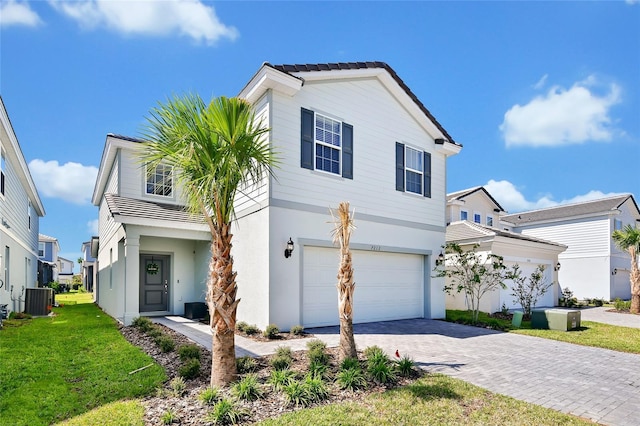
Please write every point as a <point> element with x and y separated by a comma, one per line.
<point>466,214</point>
<point>308,143</point>
<point>489,218</point>
<point>146,182</point>
<point>401,170</point>
<point>479,216</point>
<point>3,166</point>
<point>317,142</point>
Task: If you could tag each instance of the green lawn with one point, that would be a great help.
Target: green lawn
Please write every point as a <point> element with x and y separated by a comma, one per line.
<point>57,367</point>
<point>73,298</point>
<point>622,339</point>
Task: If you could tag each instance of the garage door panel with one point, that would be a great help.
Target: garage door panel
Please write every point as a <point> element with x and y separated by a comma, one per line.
<point>388,286</point>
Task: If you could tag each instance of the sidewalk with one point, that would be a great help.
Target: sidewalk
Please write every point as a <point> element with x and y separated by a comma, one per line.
<point>598,384</point>
<point>600,314</point>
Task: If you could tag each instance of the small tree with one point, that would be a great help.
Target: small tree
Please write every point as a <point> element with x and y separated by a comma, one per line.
<point>474,274</point>
<point>628,239</point>
<point>527,291</point>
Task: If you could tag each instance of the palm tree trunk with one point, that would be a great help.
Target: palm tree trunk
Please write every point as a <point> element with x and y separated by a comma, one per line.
<point>635,282</point>
<point>221,298</point>
<point>346,286</point>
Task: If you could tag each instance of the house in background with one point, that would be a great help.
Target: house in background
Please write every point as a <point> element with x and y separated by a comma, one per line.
<point>592,265</point>
<point>48,249</point>
<point>476,218</point>
<point>65,270</point>
<point>88,268</point>
<point>20,213</point>
<point>345,132</point>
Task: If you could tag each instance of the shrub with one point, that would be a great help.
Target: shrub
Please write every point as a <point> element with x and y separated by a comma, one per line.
<point>377,357</point>
<point>177,386</point>
<point>168,417</point>
<point>318,369</point>
<point>379,368</point>
<point>154,331</point>
<point>19,315</point>
<point>247,388</point>
<point>250,330</point>
<point>143,323</point>
<point>318,356</point>
<point>210,395</point>
<point>246,364</point>
<point>279,362</point>
<point>598,302</point>
<point>189,351</point>
<point>271,332</point>
<point>165,343</point>
<point>351,379</point>
<point>371,351</point>
<point>297,330</point>
<point>224,413</point>
<point>350,363</point>
<point>315,387</point>
<point>190,369</point>
<point>284,351</point>
<point>404,366</point>
<point>280,378</point>
<point>316,344</point>
<point>621,305</point>
<point>241,326</point>
<point>296,393</point>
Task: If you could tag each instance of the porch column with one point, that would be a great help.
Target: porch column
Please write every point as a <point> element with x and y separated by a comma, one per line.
<point>131,278</point>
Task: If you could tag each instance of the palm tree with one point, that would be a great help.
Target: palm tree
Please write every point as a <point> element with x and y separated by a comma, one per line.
<point>215,150</point>
<point>343,226</point>
<point>628,239</point>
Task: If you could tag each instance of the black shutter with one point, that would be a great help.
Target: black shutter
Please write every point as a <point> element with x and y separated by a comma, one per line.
<point>399,166</point>
<point>427,174</point>
<point>306,143</point>
<point>347,151</point>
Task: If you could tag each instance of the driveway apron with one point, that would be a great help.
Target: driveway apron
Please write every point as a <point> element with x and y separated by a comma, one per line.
<point>598,384</point>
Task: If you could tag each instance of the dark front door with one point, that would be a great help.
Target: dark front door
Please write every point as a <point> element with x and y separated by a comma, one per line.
<point>154,283</point>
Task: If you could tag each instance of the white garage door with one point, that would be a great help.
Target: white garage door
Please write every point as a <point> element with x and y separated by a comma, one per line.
<point>389,286</point>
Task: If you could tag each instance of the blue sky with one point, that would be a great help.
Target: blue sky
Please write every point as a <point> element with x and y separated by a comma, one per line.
<point>544,96</point>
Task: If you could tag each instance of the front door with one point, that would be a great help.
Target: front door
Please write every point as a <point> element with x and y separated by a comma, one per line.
<point>154,283</point>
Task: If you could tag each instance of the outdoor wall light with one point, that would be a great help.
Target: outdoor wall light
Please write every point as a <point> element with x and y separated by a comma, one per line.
<point>440,259</point>
<point>289,249</point>
<point>615,271</point>
<point>557,267</point>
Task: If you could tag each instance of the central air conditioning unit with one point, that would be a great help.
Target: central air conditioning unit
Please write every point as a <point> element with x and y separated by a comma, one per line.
<point>38,301</point>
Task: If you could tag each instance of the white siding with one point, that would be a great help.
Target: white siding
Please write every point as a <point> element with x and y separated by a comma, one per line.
<point>378,123</point>
<point>584,238</point>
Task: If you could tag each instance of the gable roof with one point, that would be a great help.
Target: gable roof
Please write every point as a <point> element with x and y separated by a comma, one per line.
<point>340,66</point>
<point>469,231</point>
<point>586,208</point>
<point>461,195</point>
<point>112,145</point>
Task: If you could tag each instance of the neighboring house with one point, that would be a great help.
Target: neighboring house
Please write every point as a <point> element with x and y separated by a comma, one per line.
<point>344,132</point>
<point>65,270</point>
<point>89,268</point>
<point>48,249</point>
<point>592,266</point>
<point>476,217</point>
<point>20,213</point>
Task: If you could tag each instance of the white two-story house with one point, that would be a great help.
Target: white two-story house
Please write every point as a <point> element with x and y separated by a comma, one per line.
<point>592,265</point>
<point>345,132</point>
<point>20,213</point>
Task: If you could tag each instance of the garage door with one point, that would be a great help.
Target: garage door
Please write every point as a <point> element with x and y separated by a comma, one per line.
<point>389,286</point>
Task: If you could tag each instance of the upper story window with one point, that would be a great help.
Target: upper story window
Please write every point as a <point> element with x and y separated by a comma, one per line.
<point>326,144</point>
<point>413,170</point>
<point>477,218</point>
<point>160,181</point>
<point>489,220</point>
<point>617,224</point>
<point>41,247</point>
<point>29,214</point>
<point>464,215</point>
<point>2,172</point>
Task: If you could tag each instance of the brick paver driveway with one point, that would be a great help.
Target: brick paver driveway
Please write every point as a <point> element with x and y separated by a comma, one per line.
<point>598,384</point>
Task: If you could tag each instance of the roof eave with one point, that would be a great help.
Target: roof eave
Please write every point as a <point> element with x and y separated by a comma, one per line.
<point>267,77</point>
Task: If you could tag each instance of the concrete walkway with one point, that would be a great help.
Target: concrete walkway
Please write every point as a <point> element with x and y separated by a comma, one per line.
<point>601,315</point>
<point>597,384</point>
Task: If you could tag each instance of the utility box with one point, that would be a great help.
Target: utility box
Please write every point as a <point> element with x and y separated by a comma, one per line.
<point>555,319</point>
<point>39,301</point>
<point>195,310</point>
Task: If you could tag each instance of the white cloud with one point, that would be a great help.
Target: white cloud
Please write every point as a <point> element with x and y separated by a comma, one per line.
<point>92,227</point>
<point>71,182</point>
<point>632,1</point>
<point>540,84</point>
<point>562,116</point>
<point>15,13</point>
<point>512,200</point>
<point>190,18</point>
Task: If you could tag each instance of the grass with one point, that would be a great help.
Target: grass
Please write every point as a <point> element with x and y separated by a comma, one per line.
<point>119,413</point>
<point>621,339</point>
<point>435,400</point>
<point>54,368</point>
<point>73,297</point>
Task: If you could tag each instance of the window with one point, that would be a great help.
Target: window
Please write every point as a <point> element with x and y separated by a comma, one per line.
<point>40,249</point>
<point>29,214</point>
<point>617,224</point>
<point>489,220</point>
<point>326,144</point>
<point>160,181</point>
<point>464,215</point>
<point>2,171</point>
<point>477,218</point>
<point>413,170</point>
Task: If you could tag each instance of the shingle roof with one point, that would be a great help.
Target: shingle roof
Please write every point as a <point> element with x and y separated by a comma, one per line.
<point>465,230</point>
<point>586,208</point>
<point>337,66</point>
<point>459,195</point>
<point>131,207</point>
